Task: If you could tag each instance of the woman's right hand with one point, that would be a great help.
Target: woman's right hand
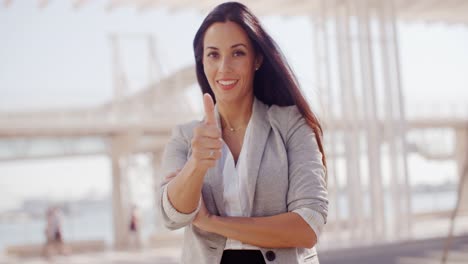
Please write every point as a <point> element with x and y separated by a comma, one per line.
<point>206,141</point>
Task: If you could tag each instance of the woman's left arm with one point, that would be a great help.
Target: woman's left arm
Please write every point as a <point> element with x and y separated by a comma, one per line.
<point>279,231</point>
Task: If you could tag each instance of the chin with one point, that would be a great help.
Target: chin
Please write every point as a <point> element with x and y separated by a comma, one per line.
<point>232,98</point>
<point>227,98</point>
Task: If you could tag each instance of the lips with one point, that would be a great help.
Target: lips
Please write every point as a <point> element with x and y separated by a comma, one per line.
<point>227,84</point>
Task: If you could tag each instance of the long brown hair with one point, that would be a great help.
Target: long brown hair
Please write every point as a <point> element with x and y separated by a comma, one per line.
<point>274,82</point>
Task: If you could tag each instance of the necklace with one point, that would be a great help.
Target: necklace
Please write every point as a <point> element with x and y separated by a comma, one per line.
<point>233,130</point>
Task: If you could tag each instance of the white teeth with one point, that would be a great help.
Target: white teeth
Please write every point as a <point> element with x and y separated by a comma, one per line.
<point>227,82</point>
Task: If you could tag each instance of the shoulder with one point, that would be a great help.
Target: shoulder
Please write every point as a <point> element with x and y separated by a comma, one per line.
<point>283,112</point>
<point>290,123</point>
<point>283,117</point>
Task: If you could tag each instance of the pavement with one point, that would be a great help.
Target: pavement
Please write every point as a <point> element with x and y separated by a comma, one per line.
<point>427,251</point>
<point>146,256</point>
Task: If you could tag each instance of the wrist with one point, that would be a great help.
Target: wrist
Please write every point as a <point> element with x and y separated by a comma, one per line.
<point>195,168</point>
<point>212,223</point>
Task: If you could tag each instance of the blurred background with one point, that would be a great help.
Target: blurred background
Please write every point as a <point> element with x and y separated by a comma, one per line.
<point>90,90</point>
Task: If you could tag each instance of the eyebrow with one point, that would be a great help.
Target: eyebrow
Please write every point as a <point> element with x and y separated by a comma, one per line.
<point>233,46</point>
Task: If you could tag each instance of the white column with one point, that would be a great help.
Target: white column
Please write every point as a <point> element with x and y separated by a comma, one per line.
<point>349,119</point>
<point>372,129</point>
<point>157,180</point>
<point>389,119</point>
<point>461,156</point>
<point>118,215</point>
<point>121,147</point>
<point>119,78</point>
<point>401,129</point>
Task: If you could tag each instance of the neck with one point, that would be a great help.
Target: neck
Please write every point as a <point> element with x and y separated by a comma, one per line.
<point>236,115</point>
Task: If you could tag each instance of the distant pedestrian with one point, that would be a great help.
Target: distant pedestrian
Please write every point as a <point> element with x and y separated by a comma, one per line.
<point>54,235</point>
<point>134,228</point>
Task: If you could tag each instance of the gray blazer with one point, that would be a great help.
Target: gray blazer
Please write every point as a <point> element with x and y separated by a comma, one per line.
<point>286,173</point>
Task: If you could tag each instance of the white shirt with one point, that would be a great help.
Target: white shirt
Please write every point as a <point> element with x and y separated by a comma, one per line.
<point>236,198</point>
<point>236,194</point>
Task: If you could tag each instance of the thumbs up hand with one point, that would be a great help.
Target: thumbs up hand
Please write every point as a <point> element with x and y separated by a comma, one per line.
<point>206,141</point>
<point>208,105</point>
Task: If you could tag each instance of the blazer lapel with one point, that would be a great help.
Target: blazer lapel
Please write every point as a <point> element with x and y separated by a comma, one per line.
<point>255,147</point>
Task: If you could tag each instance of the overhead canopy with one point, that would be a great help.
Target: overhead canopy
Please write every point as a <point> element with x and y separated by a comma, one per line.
<point>448,11</point>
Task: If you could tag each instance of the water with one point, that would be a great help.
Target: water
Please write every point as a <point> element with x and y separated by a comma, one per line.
<point>421,202</point>
<point>96,223</point>
<point>89,225</point>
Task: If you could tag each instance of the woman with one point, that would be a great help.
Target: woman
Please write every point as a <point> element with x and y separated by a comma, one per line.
<point>248,182</point>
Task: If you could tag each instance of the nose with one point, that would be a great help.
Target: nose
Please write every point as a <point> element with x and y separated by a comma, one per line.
<point>225,65</point>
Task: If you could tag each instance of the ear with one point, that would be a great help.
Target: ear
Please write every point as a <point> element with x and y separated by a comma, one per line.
<point>258,61</point>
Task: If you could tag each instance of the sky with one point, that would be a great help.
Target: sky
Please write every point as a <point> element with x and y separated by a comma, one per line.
<point>59,57</point>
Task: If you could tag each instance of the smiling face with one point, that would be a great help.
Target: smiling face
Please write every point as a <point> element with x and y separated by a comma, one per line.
<point>229,62</point>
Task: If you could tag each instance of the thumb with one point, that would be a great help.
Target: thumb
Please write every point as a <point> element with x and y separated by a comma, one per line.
<point>208,104</point>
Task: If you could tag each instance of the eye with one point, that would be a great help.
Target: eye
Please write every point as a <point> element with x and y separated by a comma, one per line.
<point>212,54</point>
<point>238,53</point>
